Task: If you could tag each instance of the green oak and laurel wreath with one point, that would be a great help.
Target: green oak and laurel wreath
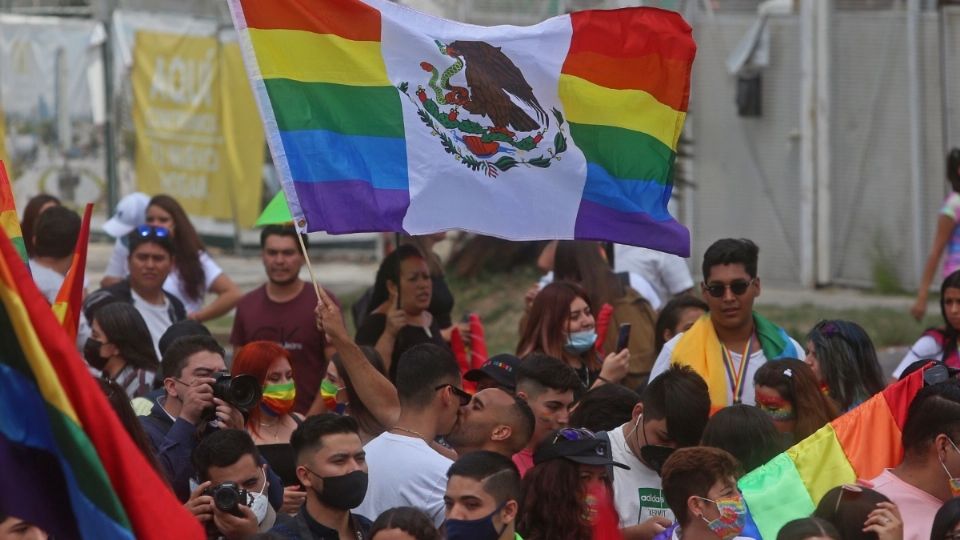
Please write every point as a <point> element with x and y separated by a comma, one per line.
<point>430,114</point>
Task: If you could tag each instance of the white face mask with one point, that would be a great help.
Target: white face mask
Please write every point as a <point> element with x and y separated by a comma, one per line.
<point>260,504</point>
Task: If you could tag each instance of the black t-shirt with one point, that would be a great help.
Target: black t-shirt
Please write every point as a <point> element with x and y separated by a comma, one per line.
<point>376,323</point>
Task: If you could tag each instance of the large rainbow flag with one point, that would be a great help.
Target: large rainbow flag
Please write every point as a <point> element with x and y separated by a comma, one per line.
<point>66,461</point>
<point>70,296</point>
<point>9,221</point>
<point>381,118</point>
<point>857,445</point>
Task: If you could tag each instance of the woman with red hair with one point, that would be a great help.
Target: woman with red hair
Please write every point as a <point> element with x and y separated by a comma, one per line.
<point>273,422</point>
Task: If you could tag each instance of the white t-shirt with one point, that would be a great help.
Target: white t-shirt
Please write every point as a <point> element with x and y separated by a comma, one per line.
<point>925,348</point>
<point>156,316</point>
<point>757,359</point>
<point>404,471</point>
<point>48,280</point>
<point>117,267</point>
<point>637,283</point>
<point>637,493</point>
<point>667,273</point>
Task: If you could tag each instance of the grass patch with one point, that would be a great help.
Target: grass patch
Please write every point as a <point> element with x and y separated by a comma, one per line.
<point>887,327</point>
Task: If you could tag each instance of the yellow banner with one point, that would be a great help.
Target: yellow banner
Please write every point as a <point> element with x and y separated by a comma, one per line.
<point>198,133</point>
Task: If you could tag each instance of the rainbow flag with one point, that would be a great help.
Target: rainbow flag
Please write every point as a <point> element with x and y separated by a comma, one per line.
<point>381,118</point>
<point>70,296</point>
<point>857,445</point>
<point>8,214</point>
<point>67,463</point>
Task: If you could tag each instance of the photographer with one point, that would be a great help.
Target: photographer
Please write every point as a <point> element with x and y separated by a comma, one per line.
<point>189,410</point>
<point>231,501</point>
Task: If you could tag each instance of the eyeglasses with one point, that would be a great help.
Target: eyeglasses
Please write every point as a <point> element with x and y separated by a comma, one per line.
<point>737,288</point>
<point>148,231</point>
<point>574,434</point>
<point>461,394</point>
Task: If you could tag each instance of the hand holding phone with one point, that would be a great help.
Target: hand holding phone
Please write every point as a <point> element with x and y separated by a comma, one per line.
<point>623,337</point>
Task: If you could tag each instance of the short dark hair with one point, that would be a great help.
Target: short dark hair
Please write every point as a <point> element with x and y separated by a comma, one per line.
<point>222,448</point>
<point>604,408</point>
<point>685,417</point>
<point>409,520</point>
<point>135,240</point>
<point>497,473</point>
<point>670,315</point>
<point>934,410</point>
<point>284,230</point>
<point>808,527</point>
<point>179,329</point>
<point>56,231</point>
<point>175,359</point>
<point>690,472</point>
<point>421,369</point>
<point>545,372</point>
<point>847,510</point>
<point>731,251</point>
<point>525,422</point>
<point>308,437</point>
<point>747,433</point>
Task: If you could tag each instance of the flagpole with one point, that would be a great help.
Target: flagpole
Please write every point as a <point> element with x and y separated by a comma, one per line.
<point>306,256</point>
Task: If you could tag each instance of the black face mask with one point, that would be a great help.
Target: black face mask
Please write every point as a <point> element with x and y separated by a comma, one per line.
<point>653,454</point>
<point>344,492</point>
<point>91,353</point>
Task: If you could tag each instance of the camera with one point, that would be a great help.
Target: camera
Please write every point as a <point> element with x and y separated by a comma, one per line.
<point>242,391</point>
<point>228,497</point>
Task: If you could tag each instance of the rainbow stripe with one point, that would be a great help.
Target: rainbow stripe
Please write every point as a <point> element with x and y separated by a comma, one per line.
<point>68,464</point>
<point>8,214</point>
<point>857,445</point>
<point>625,87</point>
<point>70,296</point>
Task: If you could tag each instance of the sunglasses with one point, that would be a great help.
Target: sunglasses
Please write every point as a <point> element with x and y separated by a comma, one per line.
<point>574,434</point>
<point>738,287</point>
<point>151,231</point>
<point>464,396</point>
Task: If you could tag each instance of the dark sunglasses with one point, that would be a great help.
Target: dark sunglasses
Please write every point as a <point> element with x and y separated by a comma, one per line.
<point>574,434</point>
<point>148,231</point>
<point>461,394</point>
<point>737,288</point>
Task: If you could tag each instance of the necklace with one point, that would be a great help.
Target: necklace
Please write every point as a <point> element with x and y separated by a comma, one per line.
<point>410,431</point>
<point>276,431</point>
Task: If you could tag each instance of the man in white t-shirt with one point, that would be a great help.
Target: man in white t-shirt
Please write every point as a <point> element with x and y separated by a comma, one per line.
<point>667,274</point>
<point>657,426</point>
<point>405,468</point>
<point>54,239</point>
<point>150,261</point>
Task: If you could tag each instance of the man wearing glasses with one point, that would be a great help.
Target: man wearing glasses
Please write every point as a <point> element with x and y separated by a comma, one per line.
<point>150,261</point>
<point>727,346</point>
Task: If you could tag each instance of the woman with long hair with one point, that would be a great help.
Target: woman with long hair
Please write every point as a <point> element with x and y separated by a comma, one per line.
<point>441,297</point>
<point>616,303</point>
<point>339,395</point>
<point>844,361</point>
<point>195,273</point>
<point>561,324</point>
<point>677,316</point>
<point>273,422</point>
<point>939,343</point>
<point>121,348</point>
<point>399,316</point>
<point>35,206</point>
<point>788,392</point>
<point>568,494</point>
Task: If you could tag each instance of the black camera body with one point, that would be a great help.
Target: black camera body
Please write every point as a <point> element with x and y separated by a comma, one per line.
<point>243,391</point>
<point>228,497</point>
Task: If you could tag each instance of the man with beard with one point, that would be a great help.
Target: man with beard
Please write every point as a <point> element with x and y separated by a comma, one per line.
<point>493,420</point>
<point>282,310</point>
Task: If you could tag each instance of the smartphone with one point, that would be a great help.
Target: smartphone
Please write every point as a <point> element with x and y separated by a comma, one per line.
<point>623,336</point>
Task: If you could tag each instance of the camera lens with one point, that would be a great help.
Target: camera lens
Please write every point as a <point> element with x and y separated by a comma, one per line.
<point>244,392</point>
<point>226,497</point>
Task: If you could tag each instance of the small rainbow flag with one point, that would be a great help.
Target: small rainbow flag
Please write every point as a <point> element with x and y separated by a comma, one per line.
<point>70,296</point>
<point>857,445</point>
<point>8,214</point>
<point>381,118</point>
<point>68,465</point>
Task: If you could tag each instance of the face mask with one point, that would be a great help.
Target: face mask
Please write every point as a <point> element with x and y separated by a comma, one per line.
<point>329,391</point>
<point>653,455</point>
<point>474,529</point>
<point>91,353</point>
<point>279,397</point>
<point>259,503</point>
<point>344,492</point>
<point>733,517</point>
<point>954,482</point>
<point>580,342</point>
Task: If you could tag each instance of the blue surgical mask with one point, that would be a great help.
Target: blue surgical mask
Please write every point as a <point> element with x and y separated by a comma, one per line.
<point>580,342</point>
<point>474,529</point>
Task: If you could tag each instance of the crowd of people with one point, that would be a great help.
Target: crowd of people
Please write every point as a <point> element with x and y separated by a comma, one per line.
<point>630,407</point>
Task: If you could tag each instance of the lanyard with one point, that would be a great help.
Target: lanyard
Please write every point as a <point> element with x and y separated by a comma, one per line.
<point>737,377</point>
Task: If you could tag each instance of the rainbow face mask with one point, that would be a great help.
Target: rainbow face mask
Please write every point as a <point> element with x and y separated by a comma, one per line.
<point>278,398</point>
<point>779,409</point>
<point>733,517</point>
<point>954,482</point>
<point>329,391</point>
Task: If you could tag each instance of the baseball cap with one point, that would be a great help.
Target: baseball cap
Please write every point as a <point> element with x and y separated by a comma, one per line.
<point>131,212</point>
<point>501,368</point>
<point>577,445</point>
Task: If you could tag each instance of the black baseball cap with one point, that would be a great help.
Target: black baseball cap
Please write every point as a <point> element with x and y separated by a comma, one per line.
<point>501,368</point>
<point>577,445</point>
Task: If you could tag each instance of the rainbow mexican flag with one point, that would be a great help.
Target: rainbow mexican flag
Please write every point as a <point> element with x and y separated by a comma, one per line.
<point>70,296</point>
<point>9,221</point>
<point>857,445</point>
<point>66,461</point>
<point>381,118</point>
